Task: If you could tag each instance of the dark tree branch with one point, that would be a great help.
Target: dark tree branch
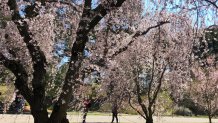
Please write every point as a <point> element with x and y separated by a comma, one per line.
<point>86,23</point>
<point>106,43</point>
<point>101,10</point>
<point>38,57</point>
<point>212,3</point>
<point>149,28</point>
<point>102,62</point>
<point>152,78</point>
<point>159,85</point>
<point>30,11</point>
<point>88,4</point>
<point>21,75</point>
<point>135,108</point>
<point>43,2</point>
<point>67,2</point>
<point>139,98</point>
<point>137,34</point>
<point>74,65</point>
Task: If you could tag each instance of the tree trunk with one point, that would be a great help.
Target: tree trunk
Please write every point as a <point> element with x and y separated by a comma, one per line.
<point>40,116</point>
<point>58,115</point>
<point>149,119</point>
<point>210,118</point>
<point>65,120</point>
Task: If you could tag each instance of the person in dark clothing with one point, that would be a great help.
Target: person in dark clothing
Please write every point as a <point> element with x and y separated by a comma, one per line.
<point>17,105</point>
<point>114,112</point>
<point>19,101</point>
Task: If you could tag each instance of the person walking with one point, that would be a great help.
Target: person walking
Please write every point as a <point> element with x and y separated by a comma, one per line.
<point>87,105</point>
<point>114,112</point>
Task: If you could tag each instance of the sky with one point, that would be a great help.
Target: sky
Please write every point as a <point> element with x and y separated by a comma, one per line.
<point>210,15</point>
<point>153,6</point>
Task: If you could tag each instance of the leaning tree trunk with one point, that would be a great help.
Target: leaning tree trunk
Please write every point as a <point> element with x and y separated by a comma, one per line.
<point>149,119</point>
<point>40,116</point>
<point>210,118</point>
<point>39,112</point>
<point>150,114</point>
<point>59,115</point>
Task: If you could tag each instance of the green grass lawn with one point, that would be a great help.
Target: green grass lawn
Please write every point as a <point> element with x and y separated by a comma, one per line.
<point>124,117</point>
<point>99,117</point>
<point>94,113</point>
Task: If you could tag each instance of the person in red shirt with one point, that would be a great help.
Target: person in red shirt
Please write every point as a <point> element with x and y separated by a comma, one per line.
<point>87,105</point>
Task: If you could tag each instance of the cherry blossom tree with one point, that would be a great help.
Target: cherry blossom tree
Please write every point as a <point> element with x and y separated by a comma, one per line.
<point>30,29</point>
<point>117,34</point>
<point>24,29</point>
<point>148,65</point>
<point>203,89</point>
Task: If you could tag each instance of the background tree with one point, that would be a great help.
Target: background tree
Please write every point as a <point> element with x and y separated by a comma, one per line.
<point>146,67</point>
<point>203,89</point>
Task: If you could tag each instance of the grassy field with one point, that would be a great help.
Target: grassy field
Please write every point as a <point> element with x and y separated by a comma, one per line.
<point>95,117</point>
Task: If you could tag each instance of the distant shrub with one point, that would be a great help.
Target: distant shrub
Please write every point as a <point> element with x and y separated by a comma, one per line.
<point>106,107</point>
<point>190,104</point>
<point>128,110</point>
<point>125,108</point>
<point>183,111</point>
